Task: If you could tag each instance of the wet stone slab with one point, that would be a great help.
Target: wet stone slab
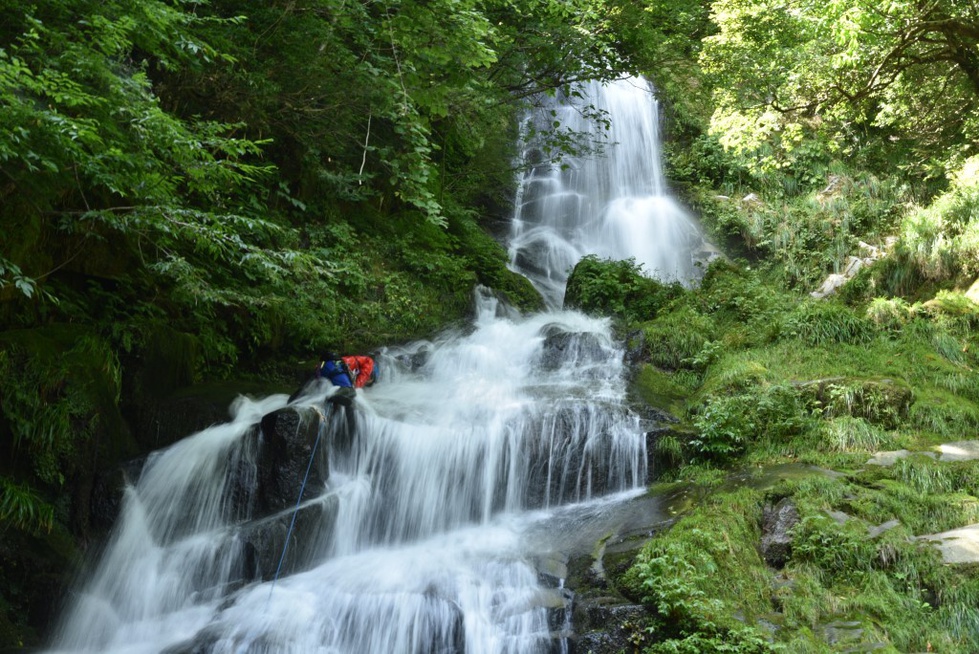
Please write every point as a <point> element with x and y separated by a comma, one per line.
<point>957,545</point>
<point>956,451</point>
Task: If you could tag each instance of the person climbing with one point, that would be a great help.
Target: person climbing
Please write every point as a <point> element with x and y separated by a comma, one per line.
<point>335,369</point>
<point>348,372</point>
<point>362,370</point>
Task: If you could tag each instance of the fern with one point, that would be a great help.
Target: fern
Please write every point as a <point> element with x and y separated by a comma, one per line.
<point>22,508</point>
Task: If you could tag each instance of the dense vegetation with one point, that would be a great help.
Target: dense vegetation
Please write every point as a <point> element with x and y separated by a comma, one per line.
<point>194,190</point>
<point>806,138</point>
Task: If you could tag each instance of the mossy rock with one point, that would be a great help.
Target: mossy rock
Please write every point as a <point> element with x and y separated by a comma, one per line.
<point>884,402</point>
<point>664,392</point>
<point>169,359</point>
<point>68,382</point>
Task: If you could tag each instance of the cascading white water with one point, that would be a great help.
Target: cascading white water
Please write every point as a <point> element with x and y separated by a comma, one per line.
<point>615,205</point>
<point>442,498</point>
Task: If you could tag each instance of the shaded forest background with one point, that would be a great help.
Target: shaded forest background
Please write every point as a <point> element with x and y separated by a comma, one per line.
<point>195,191</point>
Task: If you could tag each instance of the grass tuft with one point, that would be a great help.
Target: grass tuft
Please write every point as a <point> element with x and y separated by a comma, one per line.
<point>848,434</point>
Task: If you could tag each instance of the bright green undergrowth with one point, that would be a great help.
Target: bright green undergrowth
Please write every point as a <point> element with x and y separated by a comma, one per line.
<point>760,378</point>
<point>765,375</point>
<point>854,564</point>
<point>705,581</point>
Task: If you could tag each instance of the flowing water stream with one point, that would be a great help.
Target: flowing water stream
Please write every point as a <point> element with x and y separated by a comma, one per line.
<point>453,497</point>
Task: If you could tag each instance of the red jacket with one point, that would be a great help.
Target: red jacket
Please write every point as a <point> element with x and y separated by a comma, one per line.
<point>362,370</point>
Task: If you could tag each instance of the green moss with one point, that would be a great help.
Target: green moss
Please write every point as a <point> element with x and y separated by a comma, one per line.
<point>485,255</point>
<point>660,389</point>
<point>839,572</point>
<point>944,414</point>
<point>171,360</point>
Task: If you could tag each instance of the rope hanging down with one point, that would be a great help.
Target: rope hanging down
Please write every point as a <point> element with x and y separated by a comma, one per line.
<point>302,489</point>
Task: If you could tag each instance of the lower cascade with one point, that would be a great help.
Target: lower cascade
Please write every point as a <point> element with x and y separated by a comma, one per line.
<point>418,527</point>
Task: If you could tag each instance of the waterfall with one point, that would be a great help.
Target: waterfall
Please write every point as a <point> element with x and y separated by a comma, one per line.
<point>613,203</point>
<point>447,497</point>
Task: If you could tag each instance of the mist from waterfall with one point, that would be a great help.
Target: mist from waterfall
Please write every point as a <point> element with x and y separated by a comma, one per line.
<point>454,489</point>
<point>613,203</point>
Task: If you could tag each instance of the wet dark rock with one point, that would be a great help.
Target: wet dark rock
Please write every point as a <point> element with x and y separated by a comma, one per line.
<point>159,420</point>
<point>606,617</point>
<point>608,629</point>
<point>776,538</point>
<point>265,551</point>
<point>560,346</point>
<point>288,437</point>
<point>107,491</point>
<point>283,490</point>
<point>635,348</point>
<point>414,361</point>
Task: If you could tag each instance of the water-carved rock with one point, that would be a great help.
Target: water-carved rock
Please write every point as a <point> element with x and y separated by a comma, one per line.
<point>776,539</point>
<point>560,346</point>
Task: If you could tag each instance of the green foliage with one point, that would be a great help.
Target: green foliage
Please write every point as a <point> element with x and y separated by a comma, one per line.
<point>795,88</point>
<point>826,322</point>
<point>883,403</point>
<point>888,582</point>
<point>745,305</point>
<point>849,434</point>
<point>701,574</point>
<point>677,339</point>
<point>724,429</point>
<point>728,424</point>
<point>795,95</point>
<point>64,391</point>
<point>944,414</point>
<point>617,288</point>
<point>889,314</point>
<point>942,240</point>
<point>22,508</point>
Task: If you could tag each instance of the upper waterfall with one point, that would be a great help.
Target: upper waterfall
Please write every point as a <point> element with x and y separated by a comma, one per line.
<point>614,202</point>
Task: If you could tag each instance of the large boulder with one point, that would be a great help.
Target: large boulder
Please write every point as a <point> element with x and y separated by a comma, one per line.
<point>286,524</point>
<point>292,458</point>
<point>562,467</point>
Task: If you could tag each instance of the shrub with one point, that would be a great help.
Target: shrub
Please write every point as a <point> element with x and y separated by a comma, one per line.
<point>617,288</point>
<point>727,424</point>
<point>883,402</point>
<point>704,579</point>
<point>889,314</point>
<point>837,550</point>
<point>724,428</point>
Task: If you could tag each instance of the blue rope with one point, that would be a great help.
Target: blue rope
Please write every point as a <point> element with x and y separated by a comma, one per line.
<point>302,489</point>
